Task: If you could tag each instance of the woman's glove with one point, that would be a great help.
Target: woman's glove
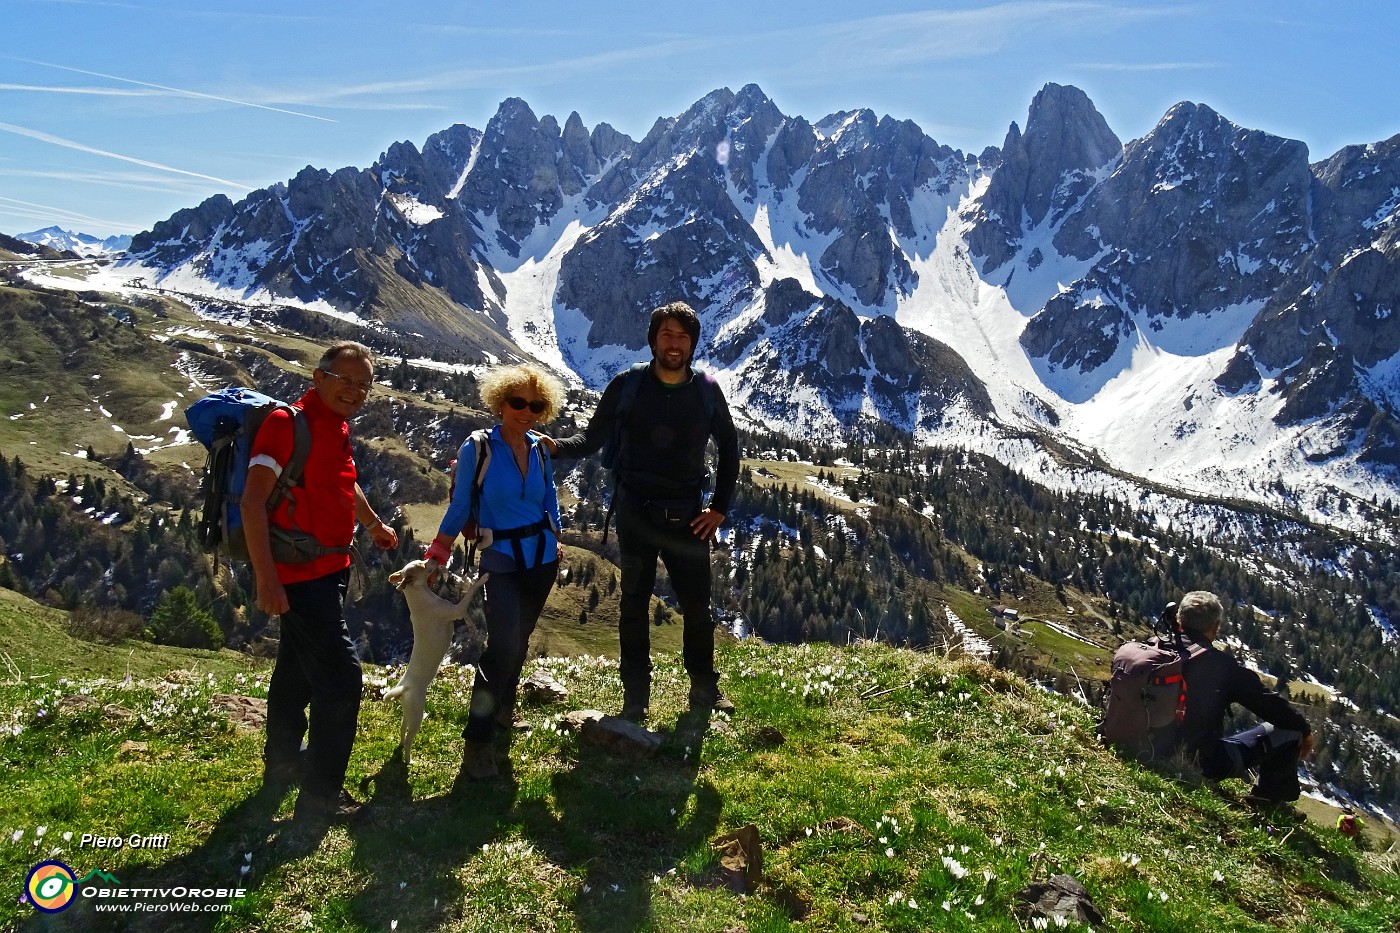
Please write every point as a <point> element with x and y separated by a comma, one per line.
<point>438,551</point>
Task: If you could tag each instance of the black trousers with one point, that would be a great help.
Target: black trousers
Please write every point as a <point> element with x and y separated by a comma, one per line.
<point>514,602</point>
<point>641,540</point>
<point>316,669</point>
<point>1272,752</point>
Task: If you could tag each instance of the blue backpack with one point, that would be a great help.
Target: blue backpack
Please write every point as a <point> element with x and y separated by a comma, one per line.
<point>226,423</point>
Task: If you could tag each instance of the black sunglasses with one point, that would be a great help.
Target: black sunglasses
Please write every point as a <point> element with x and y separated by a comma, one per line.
<point>536,407</point>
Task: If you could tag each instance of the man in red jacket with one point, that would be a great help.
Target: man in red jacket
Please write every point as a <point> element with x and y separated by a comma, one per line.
<point>316,662</point>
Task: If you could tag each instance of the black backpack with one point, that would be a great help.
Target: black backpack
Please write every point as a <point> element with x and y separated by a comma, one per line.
<point>611,454</point>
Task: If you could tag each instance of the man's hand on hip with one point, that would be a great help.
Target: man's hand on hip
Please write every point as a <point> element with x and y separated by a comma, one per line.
<point>704,525</point>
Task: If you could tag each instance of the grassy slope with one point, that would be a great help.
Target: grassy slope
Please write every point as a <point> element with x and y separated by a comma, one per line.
<point>874,776</point>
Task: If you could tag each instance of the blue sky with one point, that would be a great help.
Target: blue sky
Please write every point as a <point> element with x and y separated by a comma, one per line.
<point>116,113</point>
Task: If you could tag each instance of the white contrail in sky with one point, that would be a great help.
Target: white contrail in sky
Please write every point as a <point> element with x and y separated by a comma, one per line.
<point>17,208</point>
<point>1147,66</point>
<point>180,91</point>
<point>69,144</point>
<point>94,91</point>
<point>139,181</point>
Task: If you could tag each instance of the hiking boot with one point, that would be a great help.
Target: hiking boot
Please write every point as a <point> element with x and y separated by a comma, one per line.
<point>1282,811</point>
<point>479,762</point>
<point>636,698</point>
<point>702,697</point>
<point>634,712</point>
<point>339,808</point>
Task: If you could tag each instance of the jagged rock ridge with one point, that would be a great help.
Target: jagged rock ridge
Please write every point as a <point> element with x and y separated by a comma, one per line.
<point>861,268</point>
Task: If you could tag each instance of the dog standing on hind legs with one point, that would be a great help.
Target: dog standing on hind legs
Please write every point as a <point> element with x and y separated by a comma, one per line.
<point>432,618</point>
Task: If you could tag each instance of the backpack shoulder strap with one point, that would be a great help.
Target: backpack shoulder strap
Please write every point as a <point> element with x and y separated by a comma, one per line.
<point>292,473</point>
<point>543,455</point>
<point>612,452</point>
<point>709,393</point>
<point>481,443</point>
<point>636,373</point>
<point>632,379</point>
<point>301,448</point>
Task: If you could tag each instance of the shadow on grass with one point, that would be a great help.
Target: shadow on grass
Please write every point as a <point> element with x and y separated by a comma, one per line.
<point>249,827</point>
<point>625,821</point>
<point>619,821</point>
<point>410,850</point>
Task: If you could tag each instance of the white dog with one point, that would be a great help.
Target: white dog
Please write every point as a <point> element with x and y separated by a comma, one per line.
<point>432,618</point>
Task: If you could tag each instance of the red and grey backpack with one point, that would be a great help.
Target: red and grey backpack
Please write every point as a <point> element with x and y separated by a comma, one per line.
<point>1147,695</point>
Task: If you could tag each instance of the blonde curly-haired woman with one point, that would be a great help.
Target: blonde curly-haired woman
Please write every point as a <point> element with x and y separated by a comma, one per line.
<point>520,505</point>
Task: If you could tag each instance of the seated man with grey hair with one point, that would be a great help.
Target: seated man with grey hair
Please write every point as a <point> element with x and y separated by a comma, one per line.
<point>1215,680</point>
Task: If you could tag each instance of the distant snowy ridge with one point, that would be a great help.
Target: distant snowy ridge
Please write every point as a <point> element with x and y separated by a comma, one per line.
<point>81,243</point>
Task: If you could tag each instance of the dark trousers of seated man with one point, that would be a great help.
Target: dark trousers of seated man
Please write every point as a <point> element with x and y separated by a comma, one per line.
<point>641,539</point>
<point>316,670</point>
<point>1272,752</point>
<point>514,602</point>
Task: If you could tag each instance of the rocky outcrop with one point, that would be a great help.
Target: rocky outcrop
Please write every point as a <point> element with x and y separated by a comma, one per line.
<point>671,242</point>
<point>525,170</point>
<point>1078,329</point>
<point>815,353</point>
<point>861,178</point>
<point>1198,216</point>
<point>1346,288</point>
<point>1042,173</point>
<point>186,233</point>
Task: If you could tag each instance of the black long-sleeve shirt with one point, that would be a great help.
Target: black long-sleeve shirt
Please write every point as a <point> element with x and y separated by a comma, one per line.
<point>664,436</point>
<point>1214,680</point>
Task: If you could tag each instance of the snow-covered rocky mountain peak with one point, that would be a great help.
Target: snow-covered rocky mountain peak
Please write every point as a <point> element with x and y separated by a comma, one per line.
<point>1201,306</point>
<point>81,243</point>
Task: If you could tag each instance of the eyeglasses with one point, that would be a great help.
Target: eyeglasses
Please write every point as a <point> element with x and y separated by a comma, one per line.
<point>363,386</point>
<point>536,407</point>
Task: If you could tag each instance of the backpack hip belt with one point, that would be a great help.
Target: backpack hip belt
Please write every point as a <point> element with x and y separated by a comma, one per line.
<point>516,535</point>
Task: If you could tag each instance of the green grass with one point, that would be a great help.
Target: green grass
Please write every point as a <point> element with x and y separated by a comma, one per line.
<point>801,476</point>
<point>35,647</point>
<point>891,790</point>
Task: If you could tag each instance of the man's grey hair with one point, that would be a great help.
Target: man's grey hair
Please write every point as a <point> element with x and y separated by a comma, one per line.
<point>346,348</point>
<point>1199,612</point>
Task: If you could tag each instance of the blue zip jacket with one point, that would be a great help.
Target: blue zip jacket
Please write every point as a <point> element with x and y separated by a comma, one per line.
<point>508,500</point>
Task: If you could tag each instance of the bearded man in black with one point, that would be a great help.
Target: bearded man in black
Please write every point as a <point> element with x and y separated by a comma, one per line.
<point>659,417</point>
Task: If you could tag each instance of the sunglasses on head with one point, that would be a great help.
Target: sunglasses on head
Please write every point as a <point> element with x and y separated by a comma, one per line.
<point>536,407</point>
